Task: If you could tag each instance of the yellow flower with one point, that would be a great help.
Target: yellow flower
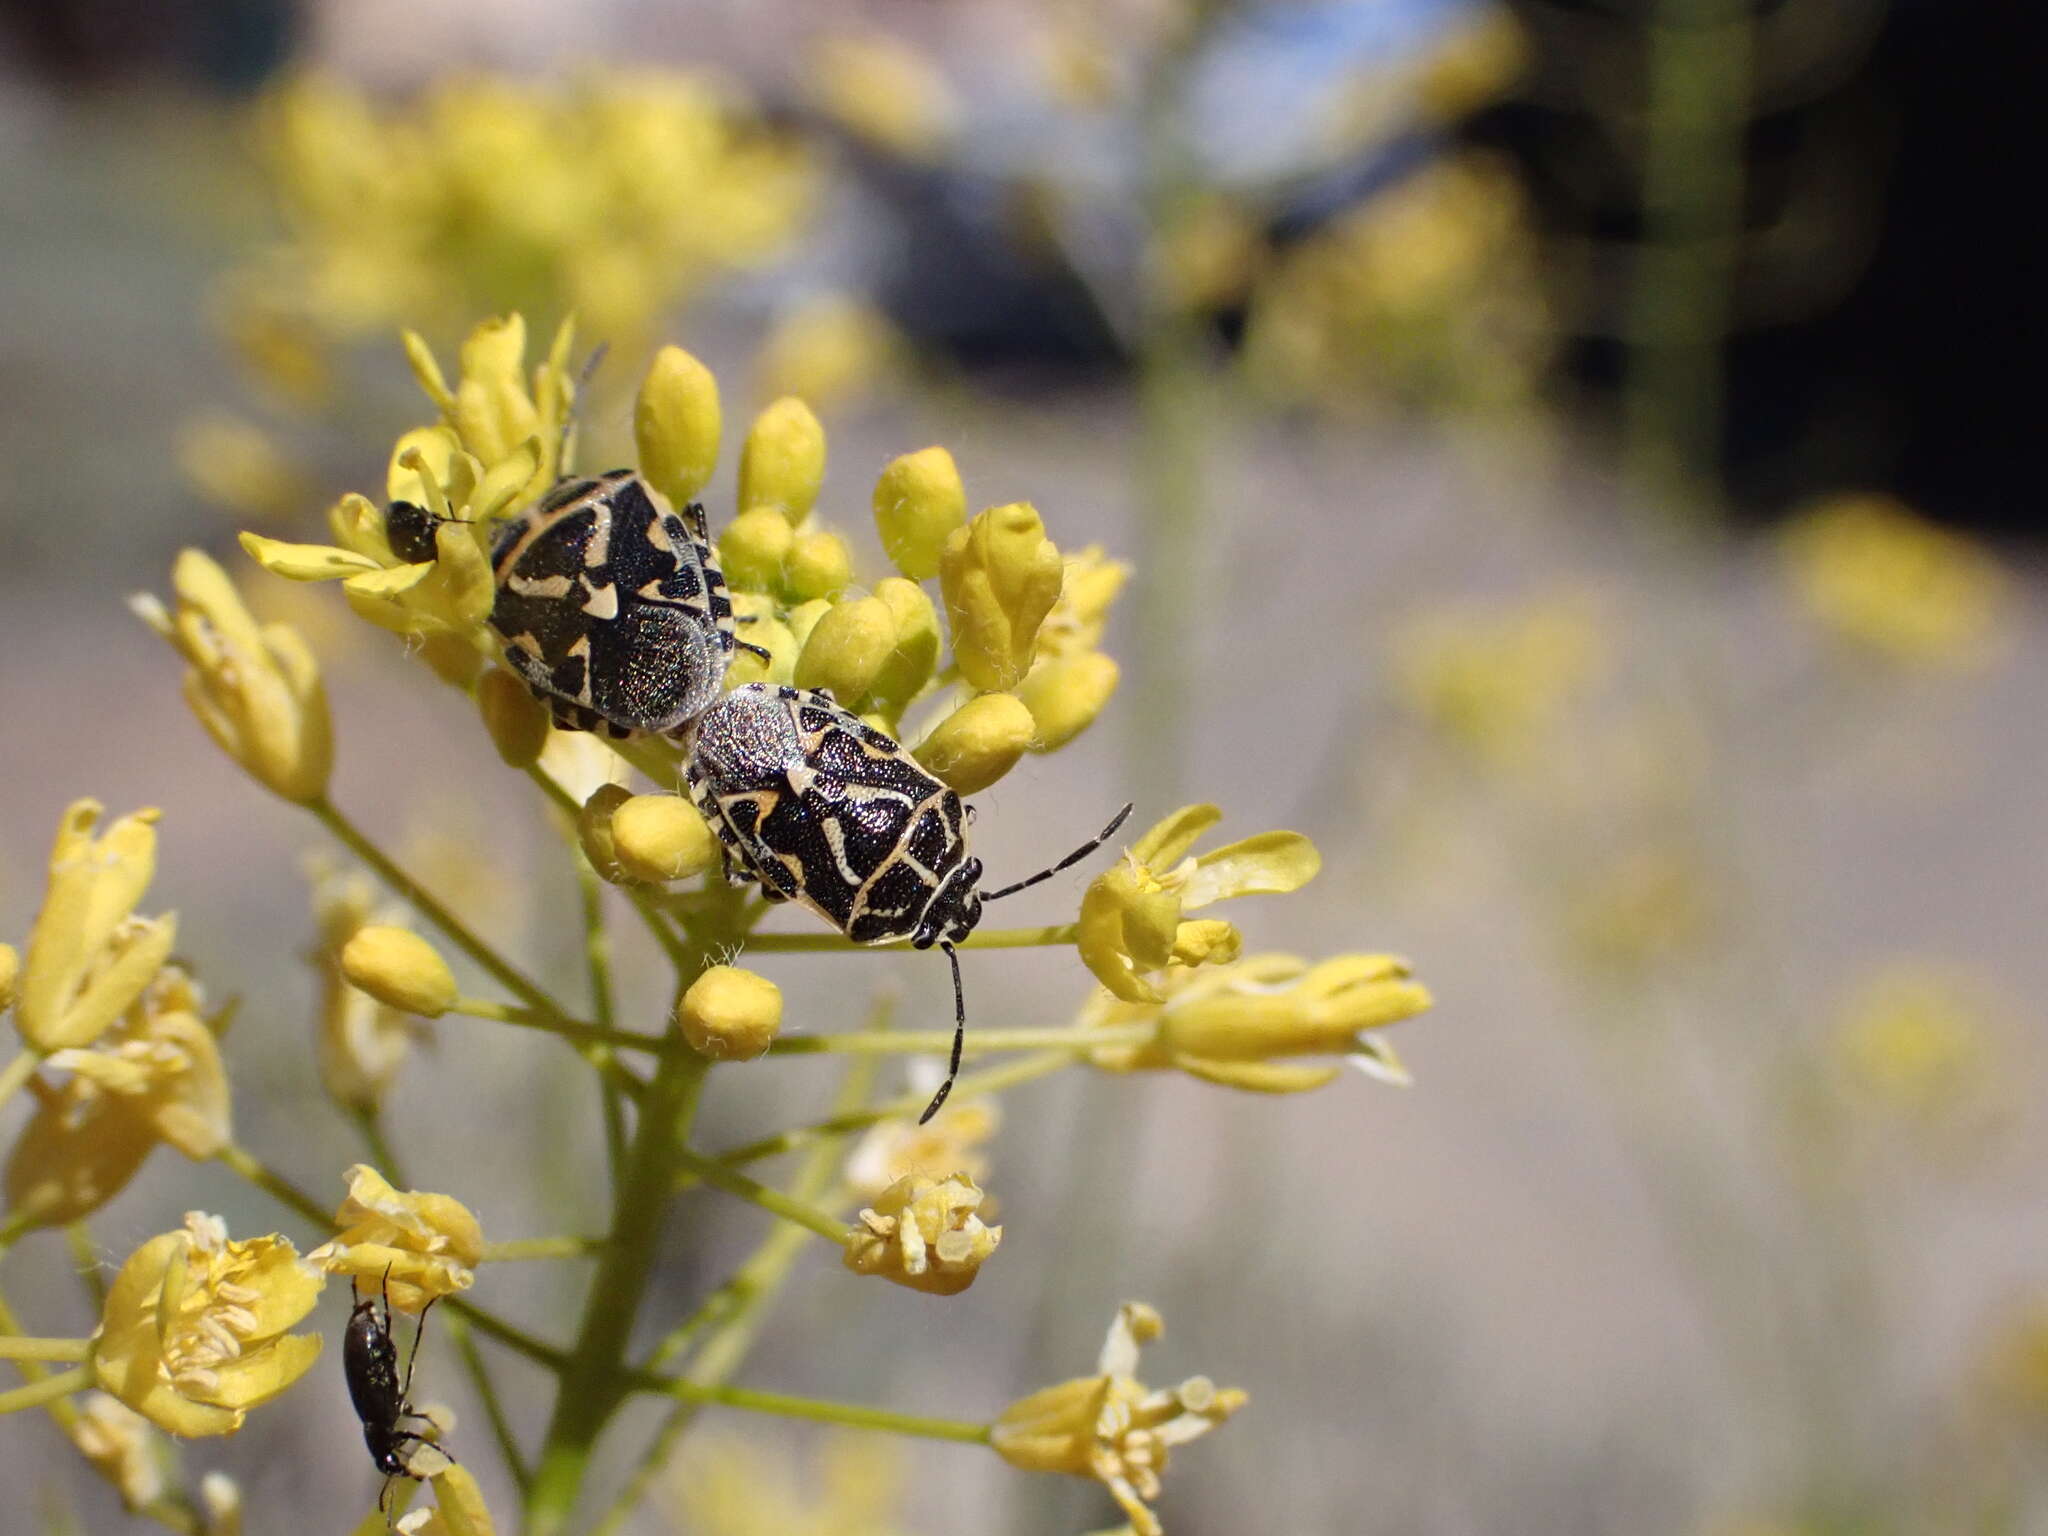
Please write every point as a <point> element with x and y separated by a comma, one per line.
<point>458,1510</point>
<point>1064,695</point>
<point>429,1244</point>
<point>1000,576</point>
<point>952,1141</point>
<point>256,688</point>
<point>89,957</point>
<point>1915,1040</point>
<point>918,502</point>
<point>157,1076</point>
<point>122,1448</point>
<point>1131,915</point>
<point>924,1233</point>
<point>847,649</point>
<point>782,461</point>
<point>1236,1024</point>
<point>657,838</point>
<point>677,424</point>
<point>1884,579</point>
<point>1110,1426</point>
<point>361,1043</point>
<point>979,742</point>
<point>194,1330</point>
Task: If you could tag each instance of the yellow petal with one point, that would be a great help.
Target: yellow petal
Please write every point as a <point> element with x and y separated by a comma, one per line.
<point>1269,864</point>
<point>304,562</point>
<point>1166,843</point>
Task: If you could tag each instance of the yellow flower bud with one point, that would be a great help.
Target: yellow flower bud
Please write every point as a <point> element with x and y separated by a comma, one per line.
<point>517,721</point>
<point>919,501</point>
<point>256,688</point>
<point>803,618</point>
<point>594,831</point>
<point>978,743</point>
<point>924,1233</point>
<point>915,652</point>
<point>1000,576</point>
<point>1065,695</point>
<point>782,462</point>
<point>676,422</point>
<point>193,1334</point>
<point>730,1014</point>
<point>429,1244</point>
<point>661,837</point>
<point>768,632</point>
<point>818,565</point>
<point>753,547</point>
<point>846,649</point>
<point>399,969</point>
<point>493,412</point>
<point>10,970</point>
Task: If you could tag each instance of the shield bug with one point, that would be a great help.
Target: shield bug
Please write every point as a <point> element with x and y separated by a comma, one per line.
<point>612,606</point>
<point>382,1401</point>
<point>821,808</point>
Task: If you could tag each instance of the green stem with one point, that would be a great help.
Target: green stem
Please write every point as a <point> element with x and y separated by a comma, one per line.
<point>597,962</point>
<point>994,1080</point>
<point>517,1249</point>
<point>553,1023</point>
<point>247,1165</point>
<point>817,1410</point>
<point>776,1203</point>
<point>987,938</point>
<point>85,1259</point>
<point>940,1041</point>
<point>18,1071</point>
<point>48,1390</point>
<point>479,1373</point>
<point>514,1338</point>
<point>591,1381</point>
<point>63,1351</point>
<point>456,931</point>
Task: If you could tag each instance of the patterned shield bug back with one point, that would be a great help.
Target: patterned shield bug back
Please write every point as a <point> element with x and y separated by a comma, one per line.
<point>612,606</point>
<point>821,808</point>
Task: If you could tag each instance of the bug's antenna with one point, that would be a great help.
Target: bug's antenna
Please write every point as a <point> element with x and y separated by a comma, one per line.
<point>959,1034</point>
<point>569,420</point>
<point>1073,858</point>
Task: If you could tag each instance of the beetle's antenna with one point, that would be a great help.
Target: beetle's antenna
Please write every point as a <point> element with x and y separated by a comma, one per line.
<point>959,1034</point>
<point>405,1392</point>
<point>569,420</point>
<point>1073,858</point>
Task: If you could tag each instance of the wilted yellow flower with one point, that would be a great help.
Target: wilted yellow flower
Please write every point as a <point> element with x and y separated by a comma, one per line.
<point>361,1043</point>
<point>952,1141</point>
<point>979,742</point>
<point>428,1244</point>
<point>1915,1040</point>
<point>1110,1426</point>
<point>1000,576</point>
<point>194,1330</point>
<point>1236,1025</point>
<point>458,1507</point>
<point>156,1076</point>
<point>122,1448</point>
<point>919,501</point>
<point>256,688</point>
<point>1131,915</point>
<point>1883,578</point>
<point>1490,681</point>
<point>924,1233</point>
<point>730,1014</point>
<point>89,957</point>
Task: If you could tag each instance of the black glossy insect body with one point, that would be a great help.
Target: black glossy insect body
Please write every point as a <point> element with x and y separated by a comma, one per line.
<point>820,808</point>
<point>612,606</point>
<point>383,1401</point>
<point>409,530</point>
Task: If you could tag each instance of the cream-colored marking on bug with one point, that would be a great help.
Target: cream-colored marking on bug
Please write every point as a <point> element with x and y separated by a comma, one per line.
<point>603,602</point>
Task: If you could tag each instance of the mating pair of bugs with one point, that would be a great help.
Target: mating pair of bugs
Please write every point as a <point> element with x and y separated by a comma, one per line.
<point>613,609</point>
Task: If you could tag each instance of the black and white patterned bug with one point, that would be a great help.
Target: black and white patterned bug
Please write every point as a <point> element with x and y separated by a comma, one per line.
<point>612,606</point>
<point>382,1401</point>
<point>821,808</point>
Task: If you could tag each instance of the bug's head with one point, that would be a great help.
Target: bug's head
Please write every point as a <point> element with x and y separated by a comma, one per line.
<point>954,909</point>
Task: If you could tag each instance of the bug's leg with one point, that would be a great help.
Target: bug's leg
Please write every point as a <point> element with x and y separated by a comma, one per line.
<point>959,1037</point>
<point>759,650</point>
<point>412,1359</point>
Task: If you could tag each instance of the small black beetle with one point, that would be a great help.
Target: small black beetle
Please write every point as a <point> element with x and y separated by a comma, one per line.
<point>370,1361</point>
